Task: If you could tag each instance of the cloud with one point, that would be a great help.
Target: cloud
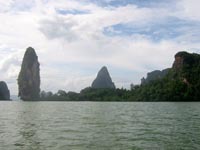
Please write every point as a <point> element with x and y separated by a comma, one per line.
<point>170,29</point>
<point>9,66</point>
<point>139,3</point>
<point>16,5</point>
<point>71,11</point>
<point>92,24</point>
<point>74,38</point>
<point>68,79</point>
<point>58,28</point>
<point>188,10</point>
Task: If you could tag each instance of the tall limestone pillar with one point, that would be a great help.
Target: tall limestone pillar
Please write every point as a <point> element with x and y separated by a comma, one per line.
<point>29,76</point>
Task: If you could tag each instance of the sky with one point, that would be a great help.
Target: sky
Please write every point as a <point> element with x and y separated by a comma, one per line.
<point>75,38</point>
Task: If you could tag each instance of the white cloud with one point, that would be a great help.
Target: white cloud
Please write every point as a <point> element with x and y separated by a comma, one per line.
<point>5,5</point>
<point>63,40</point>
<point>59,27</point>
<point>188,9</point>
<point>10,62</point>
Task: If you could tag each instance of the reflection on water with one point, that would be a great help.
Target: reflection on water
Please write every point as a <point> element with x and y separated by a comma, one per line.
<point>99,125</point>
<point>28,137</point>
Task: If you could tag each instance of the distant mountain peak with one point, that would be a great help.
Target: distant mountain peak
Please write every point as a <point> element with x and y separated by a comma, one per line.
<point>103,79</point>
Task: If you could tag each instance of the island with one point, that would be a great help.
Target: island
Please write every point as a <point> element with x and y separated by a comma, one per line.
<point>29,76</point>
<point>180,82</point>
<point>4,91</point>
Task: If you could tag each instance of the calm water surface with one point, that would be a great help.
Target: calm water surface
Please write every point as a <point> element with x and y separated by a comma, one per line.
<point>99,126</point>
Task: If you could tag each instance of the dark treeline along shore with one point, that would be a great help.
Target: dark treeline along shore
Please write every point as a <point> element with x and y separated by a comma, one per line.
<point>181,82</point>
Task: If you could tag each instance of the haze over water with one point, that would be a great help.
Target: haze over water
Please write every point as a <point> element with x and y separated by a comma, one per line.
<point>99,125</point>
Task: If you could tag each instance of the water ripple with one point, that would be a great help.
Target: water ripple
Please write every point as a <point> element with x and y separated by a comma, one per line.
<point>95,125</point>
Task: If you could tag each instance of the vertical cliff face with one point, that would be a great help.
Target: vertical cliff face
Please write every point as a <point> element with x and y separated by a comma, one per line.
<point>185,60</point>
<point>29,76</point>
<point>4,91</point>
<point>179,61</point>
<point>103,79</point>
<point>187,67</point>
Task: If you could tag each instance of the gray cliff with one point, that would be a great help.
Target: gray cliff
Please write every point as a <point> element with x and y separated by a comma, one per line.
<point>29,76</point>
<point>154,75</point>
<point>103,80</point>
<point>4,91</point>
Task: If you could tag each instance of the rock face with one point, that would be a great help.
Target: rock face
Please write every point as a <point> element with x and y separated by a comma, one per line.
<point>182,68</point>
<point>185,59</point>
<point>103,80</point>
<point>154,75</point>
<point>187,67</point>
<point>29,76</point>
<point>179,60</point>
<point>4,91</point>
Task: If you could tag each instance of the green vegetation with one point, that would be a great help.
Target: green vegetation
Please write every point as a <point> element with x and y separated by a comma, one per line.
<point>181,83</point>
<point>29,76</point>
<point>89,94</point>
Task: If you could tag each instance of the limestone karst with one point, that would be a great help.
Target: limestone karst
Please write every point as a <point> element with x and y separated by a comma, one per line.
<point>154,75</point>
<point>29,76</point>
<point>4,91</point>
<point>103,79</point>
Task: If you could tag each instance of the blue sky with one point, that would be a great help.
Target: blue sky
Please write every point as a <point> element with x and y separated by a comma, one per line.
<point>169,29</point>
<point>139,3</point>
<point>75,38</point>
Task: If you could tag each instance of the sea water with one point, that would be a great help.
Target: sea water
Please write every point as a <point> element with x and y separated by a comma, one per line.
<point>99,125</point>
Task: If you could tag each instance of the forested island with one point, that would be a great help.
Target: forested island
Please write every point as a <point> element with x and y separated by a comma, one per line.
<point>180,82</point>
<point>4,91</point>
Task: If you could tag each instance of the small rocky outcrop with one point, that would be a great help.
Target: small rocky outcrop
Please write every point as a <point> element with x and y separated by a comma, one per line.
<point>4,91</point>
<point>103,80</point>
<point>186,66</point>
<point>179,60</point>
<point>185,59</point>
<point>29,76</point>
<point>154,75</point>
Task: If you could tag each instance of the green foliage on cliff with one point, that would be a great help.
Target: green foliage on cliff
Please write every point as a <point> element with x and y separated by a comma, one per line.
<point>180,83</point>
<point>29,76</point>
